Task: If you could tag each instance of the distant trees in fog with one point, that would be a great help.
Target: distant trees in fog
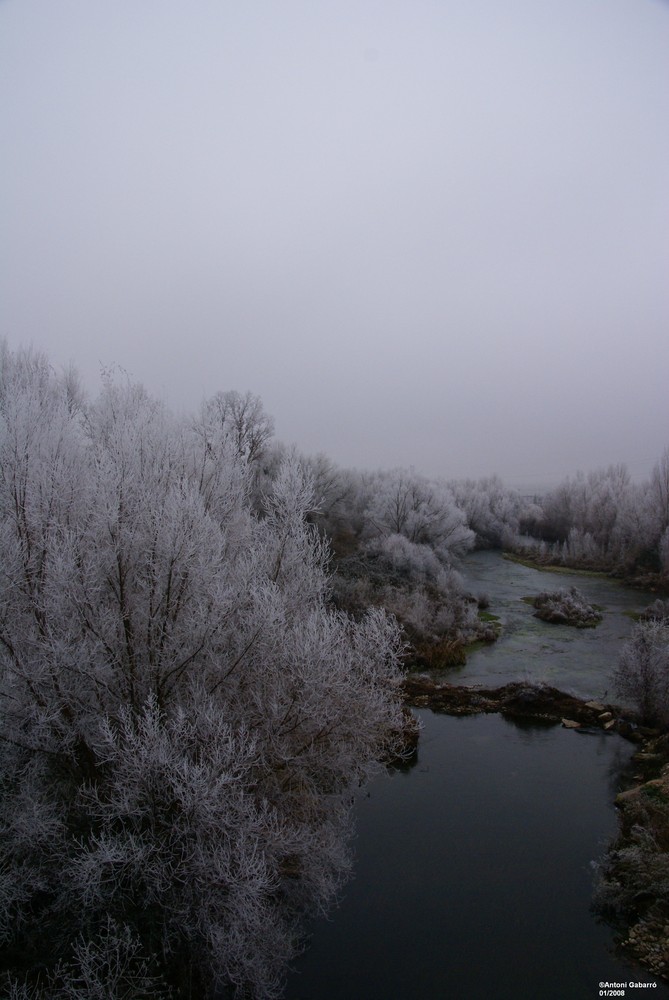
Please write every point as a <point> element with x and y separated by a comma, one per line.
<point>492,510</point>
<point>604,520</point>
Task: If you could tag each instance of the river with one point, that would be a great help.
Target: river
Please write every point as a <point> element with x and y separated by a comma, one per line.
<point>580,661</point>
<point>473,875</point>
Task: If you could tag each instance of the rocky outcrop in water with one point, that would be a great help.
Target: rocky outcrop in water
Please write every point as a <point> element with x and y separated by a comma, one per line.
<point>520,700</point>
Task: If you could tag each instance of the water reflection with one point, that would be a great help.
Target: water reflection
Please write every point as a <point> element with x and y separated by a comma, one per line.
<point>473,875</point>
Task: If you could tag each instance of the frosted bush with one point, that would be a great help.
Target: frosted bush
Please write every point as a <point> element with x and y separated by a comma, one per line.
<point>415,562</point>
<point>657,611</point>
<point>642,674</point>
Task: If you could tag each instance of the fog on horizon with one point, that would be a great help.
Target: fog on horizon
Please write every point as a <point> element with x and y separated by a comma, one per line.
<point>427,234</point>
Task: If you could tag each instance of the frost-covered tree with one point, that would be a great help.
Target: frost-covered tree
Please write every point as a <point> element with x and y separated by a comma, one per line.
<point>422,511</point>
<point>397,538</point>
<point>659,492</point>
<point>589,505</point>
<point>493,511</point>
<point>642,675</point>
<point>241,420</point>
<point>183,717</point>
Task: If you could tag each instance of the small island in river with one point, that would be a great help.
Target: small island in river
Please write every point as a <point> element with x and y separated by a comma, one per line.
<point>566,607</point>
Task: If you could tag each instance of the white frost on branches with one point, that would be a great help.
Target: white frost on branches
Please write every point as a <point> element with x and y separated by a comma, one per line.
<point>183,718</point>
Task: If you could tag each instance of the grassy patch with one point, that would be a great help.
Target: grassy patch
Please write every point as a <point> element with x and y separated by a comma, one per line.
<point>554,567</point>
<point>439,655</point>
<point>655,792</point>
<point>492,630</point>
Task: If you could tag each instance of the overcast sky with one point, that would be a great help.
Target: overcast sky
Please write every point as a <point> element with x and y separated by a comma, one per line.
<point>429,233</point>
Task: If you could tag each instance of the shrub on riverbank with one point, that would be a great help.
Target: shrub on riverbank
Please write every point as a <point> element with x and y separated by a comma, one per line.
<point>439,618</point>
<point>642,674</point>
<point>658,611</point>
<point>633,878</point>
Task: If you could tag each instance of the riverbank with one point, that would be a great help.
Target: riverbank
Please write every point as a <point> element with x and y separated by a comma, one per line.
<point>634,880</point>
<point>654,583</point>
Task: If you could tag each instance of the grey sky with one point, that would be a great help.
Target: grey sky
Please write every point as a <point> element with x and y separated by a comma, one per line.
<point>427,233</point>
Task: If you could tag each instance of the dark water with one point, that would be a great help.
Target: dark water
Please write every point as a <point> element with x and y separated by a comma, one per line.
<point>473,877</point>
<point>580,661</point>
